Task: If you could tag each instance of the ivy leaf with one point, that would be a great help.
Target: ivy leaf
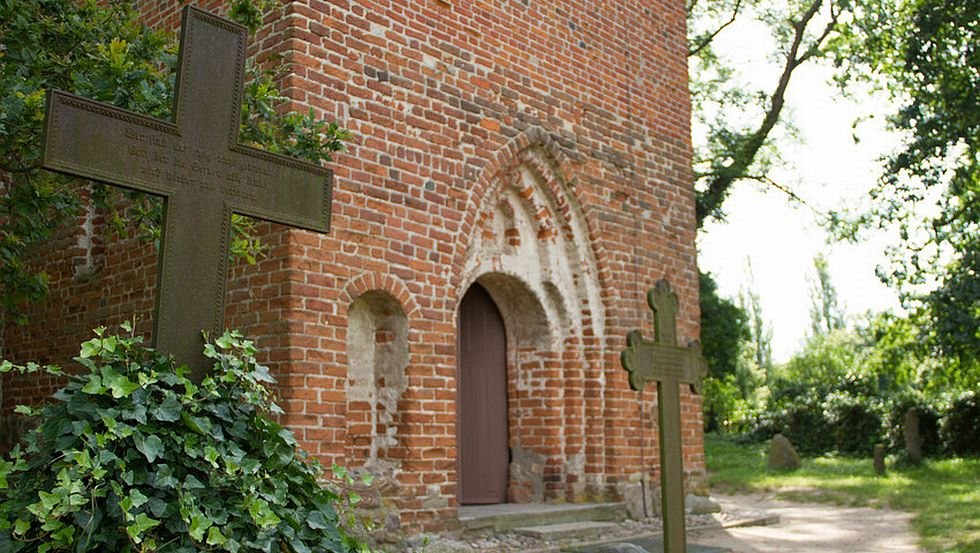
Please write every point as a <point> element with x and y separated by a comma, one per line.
<point>25,410</point>
<point>199,524</point>
<point>121,386</point>
<point>22,526</point>
<point>215,537</point>
<point>90,348</point>
<point>192,483</point>
<point>298,546</point>
<point>262,514</point>
<point>109,344</point>
<point>158,507</point>
<point>150,446</point>
<point>168,411</point>
<point>142,523</point>
<point>94,385</point>
<point>137,498</point>
<point>317,521</point>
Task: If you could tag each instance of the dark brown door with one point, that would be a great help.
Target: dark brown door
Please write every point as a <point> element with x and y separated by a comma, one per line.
<point>482,392</point>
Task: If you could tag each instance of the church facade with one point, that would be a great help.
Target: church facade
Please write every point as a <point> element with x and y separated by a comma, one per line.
<point>519,176</point>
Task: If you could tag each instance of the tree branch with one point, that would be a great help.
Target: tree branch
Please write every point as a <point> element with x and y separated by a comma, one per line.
<point>747,149</point>
<point>703,43</point>
<point>829,28</point>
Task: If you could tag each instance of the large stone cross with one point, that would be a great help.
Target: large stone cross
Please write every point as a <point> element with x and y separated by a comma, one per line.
<point>661,360</point>
<point>198,166</point>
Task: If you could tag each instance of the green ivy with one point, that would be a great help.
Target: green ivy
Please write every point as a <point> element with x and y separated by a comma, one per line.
<point>134,456</point>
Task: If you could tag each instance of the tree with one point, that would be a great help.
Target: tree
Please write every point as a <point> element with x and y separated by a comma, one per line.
<point>760,331</point>
<point>100,50</point>
<point>723,329</point>
<point>723,335</point>
<point>924,54</point>
<point>825,314</point>
<point>739,123</point>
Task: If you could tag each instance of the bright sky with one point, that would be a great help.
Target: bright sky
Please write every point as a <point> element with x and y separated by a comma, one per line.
<point>828,170</point>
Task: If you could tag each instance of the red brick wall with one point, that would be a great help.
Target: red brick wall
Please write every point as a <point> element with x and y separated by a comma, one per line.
<point>443,97</point>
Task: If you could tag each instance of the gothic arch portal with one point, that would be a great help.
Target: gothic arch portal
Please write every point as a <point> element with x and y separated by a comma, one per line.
<point>531,249</point>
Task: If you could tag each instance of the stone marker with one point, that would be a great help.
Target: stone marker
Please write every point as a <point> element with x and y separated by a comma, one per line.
<point>782,454</point>
<point>912,436</point>
<point>662,361</point>
<point>701,504</point>
<point>879,459</point>
<point>198,166</point>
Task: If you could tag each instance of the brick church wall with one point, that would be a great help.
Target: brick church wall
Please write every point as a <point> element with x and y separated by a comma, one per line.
<point>563,124</point>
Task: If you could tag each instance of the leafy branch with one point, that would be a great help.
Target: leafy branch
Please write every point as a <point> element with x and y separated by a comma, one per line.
<point>733,155</point>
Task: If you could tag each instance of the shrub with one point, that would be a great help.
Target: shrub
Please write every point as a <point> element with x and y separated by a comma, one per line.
<point>856,423</point>
<point>133,456</point>
<point>802,421</point>
<point>961,428</point>
<point>725,409</point>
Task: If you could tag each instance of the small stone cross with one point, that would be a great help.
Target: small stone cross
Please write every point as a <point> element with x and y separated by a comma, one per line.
<point>198,166</point>
<point>661,360</point>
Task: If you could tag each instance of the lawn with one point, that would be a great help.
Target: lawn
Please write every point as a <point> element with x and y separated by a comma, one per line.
<point>944,495</point>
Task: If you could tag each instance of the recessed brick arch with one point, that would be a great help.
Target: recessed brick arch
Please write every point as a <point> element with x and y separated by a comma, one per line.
<point>390,284</point>
<point>537,148</point>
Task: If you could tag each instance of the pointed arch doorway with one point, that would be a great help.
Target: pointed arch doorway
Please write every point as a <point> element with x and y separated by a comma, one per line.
<point>484,452</point>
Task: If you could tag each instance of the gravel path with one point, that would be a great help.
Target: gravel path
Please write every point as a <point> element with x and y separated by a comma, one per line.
<point>801,528</point>
<point>813,528</point>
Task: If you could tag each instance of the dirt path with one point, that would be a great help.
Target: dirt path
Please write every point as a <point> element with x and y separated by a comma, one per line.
<point>813,528</point>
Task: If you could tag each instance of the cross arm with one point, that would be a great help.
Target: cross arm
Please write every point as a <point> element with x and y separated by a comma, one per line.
<point>100,142</point>
<point>277,188</point>
<point>649,361</point>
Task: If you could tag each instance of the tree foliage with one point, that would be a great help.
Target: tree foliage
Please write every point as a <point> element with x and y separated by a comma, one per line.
<point>134,456</point>
<point>737,121</point>
<point>826,315</point>
<point>723,329</point>
<point>734,377</point>
<point>925,55</point>
<point>759,344</point>
<point>100,50</point>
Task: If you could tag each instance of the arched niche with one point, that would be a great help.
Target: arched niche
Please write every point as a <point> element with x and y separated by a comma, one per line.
<point>377,353</point>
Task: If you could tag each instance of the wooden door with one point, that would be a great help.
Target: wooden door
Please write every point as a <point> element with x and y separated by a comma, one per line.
<point>484,452</point>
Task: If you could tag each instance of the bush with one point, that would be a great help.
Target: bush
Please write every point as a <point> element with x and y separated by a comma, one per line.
<point>133,456</point>
<point>803,423</point>
<point>961,429</point>
<point>725,410</point>
<point>856,423</point>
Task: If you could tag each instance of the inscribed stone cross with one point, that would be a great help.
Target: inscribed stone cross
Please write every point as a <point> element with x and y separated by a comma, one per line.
<point>198,166</point>
<point>661,360</point>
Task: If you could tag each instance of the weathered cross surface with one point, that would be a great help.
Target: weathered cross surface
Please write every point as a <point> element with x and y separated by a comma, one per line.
<point>661,360</point>
<point>198,166</point>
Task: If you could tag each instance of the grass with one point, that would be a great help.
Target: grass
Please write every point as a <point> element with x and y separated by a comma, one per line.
<point>943,495</point>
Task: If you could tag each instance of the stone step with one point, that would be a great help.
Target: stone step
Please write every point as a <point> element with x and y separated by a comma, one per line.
<point>508,516</point>
<point>567,530</point>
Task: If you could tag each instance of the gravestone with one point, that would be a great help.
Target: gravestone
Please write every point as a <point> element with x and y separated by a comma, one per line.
<point>198,166</point>
<point>879,459</point>
<point>782,454</point>
<point>912,436</point>
<point>661,360</point>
